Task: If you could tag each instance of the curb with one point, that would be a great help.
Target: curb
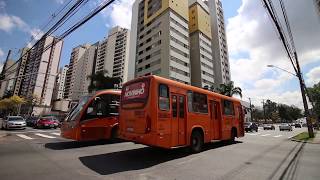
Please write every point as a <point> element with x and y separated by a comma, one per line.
<point>310,142</point>
<point>3,135</point>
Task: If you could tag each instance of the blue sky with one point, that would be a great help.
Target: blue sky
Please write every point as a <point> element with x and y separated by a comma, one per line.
<point>252,40</point>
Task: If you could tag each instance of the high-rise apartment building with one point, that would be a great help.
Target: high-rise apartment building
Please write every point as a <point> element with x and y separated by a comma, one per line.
<point>7,85</point>
<point>161,30</point>
<point>317,5</point>
<point>202,62</point>
<point>81,66</point>
<point>21,68</point>
<point>113,53</point>
<point>40,71</point>
<point>60,83</point>
<point>219,43</point>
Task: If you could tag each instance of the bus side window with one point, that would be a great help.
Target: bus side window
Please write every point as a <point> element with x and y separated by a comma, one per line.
<point>164,103</point>
<point>181,107</point>
<point>228,108</point>
<point>197,102</point>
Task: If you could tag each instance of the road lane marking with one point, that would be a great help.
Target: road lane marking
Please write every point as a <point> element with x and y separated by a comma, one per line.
<point>253,134</point>
<point>45,136</point>
<point>266,135</point>
<point>24,136</point>
<point>57,134</point>
<point>290,137</point>
<point>277,136</point>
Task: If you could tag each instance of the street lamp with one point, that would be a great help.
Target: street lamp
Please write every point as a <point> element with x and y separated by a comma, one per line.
<point>304,92</point>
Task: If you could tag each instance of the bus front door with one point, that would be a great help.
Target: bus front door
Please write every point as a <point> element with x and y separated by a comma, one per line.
<point>178,119</point>
<point>215,123</point>
<point>69,129</point>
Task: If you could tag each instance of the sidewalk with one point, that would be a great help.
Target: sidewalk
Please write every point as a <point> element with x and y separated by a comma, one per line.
<point>2,134</point>
<point>316,139</point>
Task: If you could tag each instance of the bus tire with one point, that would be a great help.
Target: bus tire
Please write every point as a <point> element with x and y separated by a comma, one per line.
<point>196,142</point>
<point>233,135</point>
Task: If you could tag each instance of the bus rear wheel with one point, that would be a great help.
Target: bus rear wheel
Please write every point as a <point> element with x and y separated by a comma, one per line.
<point>196,142</point>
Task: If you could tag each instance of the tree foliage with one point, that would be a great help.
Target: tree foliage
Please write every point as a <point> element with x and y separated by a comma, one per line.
<point>101,80</point>
<point>229,89</point>
<point>314,97</point>
<point>12,104</point>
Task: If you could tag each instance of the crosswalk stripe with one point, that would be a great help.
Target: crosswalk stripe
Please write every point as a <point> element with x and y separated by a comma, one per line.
<point>57,134</point>
<point>24,136</point>
<point>266,135</point>
<point>46,136</point>
<point>277,136</point>
<point>253,134</point>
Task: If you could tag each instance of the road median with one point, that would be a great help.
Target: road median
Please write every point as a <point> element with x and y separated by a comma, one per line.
<point>304,137</point>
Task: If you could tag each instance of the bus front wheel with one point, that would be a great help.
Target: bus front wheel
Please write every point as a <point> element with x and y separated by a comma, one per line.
<point>196,142</point>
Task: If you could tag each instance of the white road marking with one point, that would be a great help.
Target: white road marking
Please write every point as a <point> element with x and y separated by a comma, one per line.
<point>24,136</point>
<point>45,136</point>
<point>57,134</point>
<point>277,136</point>
<point>266,135</point>
<point>253,134</point>
<point>290,137</point>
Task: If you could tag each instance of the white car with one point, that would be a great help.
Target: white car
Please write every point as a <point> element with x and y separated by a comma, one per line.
<point>285,126</point>
<point>14,122</point>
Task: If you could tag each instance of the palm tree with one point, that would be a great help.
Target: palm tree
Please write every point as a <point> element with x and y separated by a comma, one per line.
<point>101,80</point>
<point>230,90</point>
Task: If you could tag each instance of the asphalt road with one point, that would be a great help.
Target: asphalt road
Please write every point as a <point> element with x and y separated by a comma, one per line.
<point>41,154</point>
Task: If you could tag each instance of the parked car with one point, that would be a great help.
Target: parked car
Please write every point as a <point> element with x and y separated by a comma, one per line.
<point>285,126</point>
<point>31,121</point>
<point>14,122</point>
<point>249,126</point>
<point>297,125</point>
<point>268,127</point>
<point>47,122</point>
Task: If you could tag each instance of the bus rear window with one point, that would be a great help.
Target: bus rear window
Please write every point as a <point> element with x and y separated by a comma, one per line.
<point>135,93</point>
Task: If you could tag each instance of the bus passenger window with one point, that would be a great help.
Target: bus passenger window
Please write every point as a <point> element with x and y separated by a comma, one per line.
<point>164,97</point>
<point>181,107</point>
<point>174,106</point>
<point>228,108</point>
<point>197,102</point>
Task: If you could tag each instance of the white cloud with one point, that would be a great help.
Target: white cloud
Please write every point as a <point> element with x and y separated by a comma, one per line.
<point>119,13</point>
<point>253,44</point>
<point>36,33</point>
<point>313,76</point>
<point>60,1</point>
<point>8,23</point>
<point>2,5</point>
<point>1,53</point>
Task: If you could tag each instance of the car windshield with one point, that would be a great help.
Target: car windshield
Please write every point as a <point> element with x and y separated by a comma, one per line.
<point>247,124</point>
<point>15,119</point>
<point>77,109</point>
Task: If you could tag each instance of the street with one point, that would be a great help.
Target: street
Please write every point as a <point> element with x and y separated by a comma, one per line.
<point>268,154</point>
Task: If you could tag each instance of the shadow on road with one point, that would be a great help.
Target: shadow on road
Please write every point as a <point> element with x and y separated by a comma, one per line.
<point>77,144</point>
<point>136,159</point>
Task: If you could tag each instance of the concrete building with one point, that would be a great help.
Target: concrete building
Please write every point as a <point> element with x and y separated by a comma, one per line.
<point>60,83</point>
<point>219,43</point>
<point>202,62</point>
<point>7,85</point>
<point>81,66</point>
<point>20,71</point>
<point>113,53</point>
<point>161,30</point>
<point>40,72</point>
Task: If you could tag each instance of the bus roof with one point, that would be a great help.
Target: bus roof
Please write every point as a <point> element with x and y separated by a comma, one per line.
<point>181,85</point>
<point>109,91</point>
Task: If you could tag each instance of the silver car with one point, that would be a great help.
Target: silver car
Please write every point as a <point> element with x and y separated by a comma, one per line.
<point>285,126</point>
<point>14,122</point>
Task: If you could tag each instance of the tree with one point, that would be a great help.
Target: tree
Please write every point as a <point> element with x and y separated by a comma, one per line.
<point>314,97</point>
<point>230,90</point>
<point>270,107</point>
<point>101,80</point>
<point>12,104</point>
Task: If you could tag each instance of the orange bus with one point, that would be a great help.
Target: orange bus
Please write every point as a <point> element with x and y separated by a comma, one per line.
<point>160,112</point>
<point>94,117</point>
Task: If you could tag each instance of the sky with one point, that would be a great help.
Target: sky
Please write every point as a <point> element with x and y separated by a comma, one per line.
<point>252,40</point>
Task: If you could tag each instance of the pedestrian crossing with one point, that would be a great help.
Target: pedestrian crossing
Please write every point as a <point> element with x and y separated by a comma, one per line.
<point>32,136</point>
<point>267,135</point>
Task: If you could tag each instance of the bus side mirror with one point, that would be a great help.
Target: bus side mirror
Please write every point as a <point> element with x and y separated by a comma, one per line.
<point>89,110</point>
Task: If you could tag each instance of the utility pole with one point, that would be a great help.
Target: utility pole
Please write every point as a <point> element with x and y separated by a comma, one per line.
<point>264,112</point>
<point>250,109</point>
<point>304,98</point>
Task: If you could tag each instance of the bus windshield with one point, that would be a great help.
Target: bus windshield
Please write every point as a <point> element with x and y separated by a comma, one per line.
<point>74,112</point>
